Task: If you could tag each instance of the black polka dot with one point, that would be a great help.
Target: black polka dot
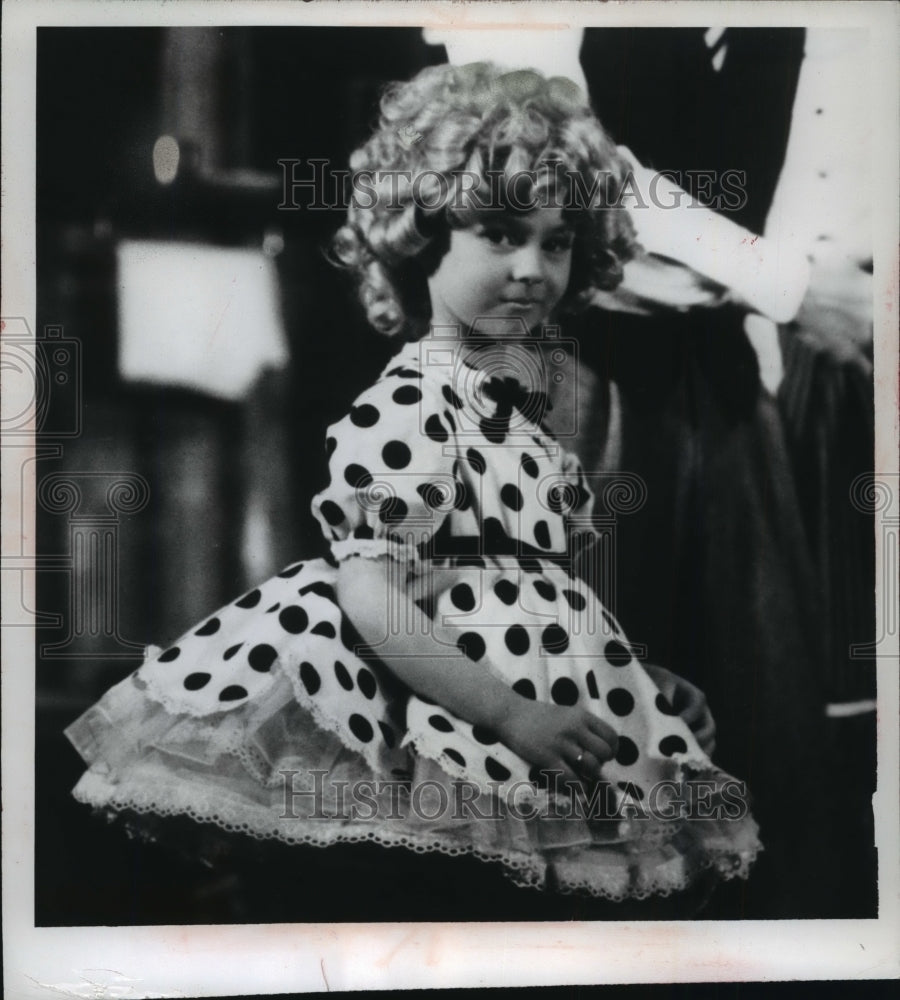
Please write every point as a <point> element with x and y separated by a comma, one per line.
<point>393,509</point>
<point>350,637</point>
<point>441,724</point>
<point>364,416</point>
<point>576,600</point>
<point>366,683</point>
<point>517,641</point>
<point>529,465</point>
<point>617,654</point>
<point>545,589</point>
<point>435,429</point>
<point>455,756</point>
<point>672,744</point>
<point>564,691</point>
<point>556,500</point>
<point>234,692</point>
<point>525,688</point>
<point>363,531</point>
<point>476,461</point>
<point>610,621</point>
<point>388,734</point>
<point>396,455</point>
<point>494,429</point>
<point>332,513</point>
<point>484,735</point>
<point>542,534</point>
<point>170,654</point>
<point>496,770</point>
<point>494,535</point>
<point>321,589</point>
<point>664,705</point>
<point>462,597</point>
<point>507,591</point>
<point>343,676</point>
<point>512,496</point>
<point>432,494</point>
<point>193,682</point>
<point>330,445</point>
<point>210,628</point>
<point>451,397</point>
<point>404,372</point>
<point>274,607</point>
<point>407,395</point>
<point>262,657</point>
<point>529,564</point>
<point>593,690</point>
<point>357,476</point>
<point>249,600</point>
<point>293,619</point>
<point>627,753</point>
<point>620,701</point>
<point>310,677</point>
<point>324,628</point>
<point>630,788</point>
<point>472,645</point>
<point>361,728</point>
<point>290,571</point>
<point>227,655</point>
<point>555,639</point>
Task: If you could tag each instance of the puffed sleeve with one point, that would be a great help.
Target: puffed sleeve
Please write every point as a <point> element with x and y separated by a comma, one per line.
<point>393,475</point>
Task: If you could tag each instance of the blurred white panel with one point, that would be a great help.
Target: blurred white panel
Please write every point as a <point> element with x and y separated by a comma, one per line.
<point>553,52</point>
<point>197,316</point>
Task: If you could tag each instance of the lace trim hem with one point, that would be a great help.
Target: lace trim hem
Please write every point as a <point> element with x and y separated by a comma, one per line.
<point>609,873</point>
<point>374,548</point>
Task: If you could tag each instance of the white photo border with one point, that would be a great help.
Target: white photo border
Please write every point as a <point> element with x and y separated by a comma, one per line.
<point>232,960</point>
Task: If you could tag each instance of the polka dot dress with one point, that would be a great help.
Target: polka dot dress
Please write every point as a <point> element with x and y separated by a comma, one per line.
<point>468,501</point>
<point>417,478</point>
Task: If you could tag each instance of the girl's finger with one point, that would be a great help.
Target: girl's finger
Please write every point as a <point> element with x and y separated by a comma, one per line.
<point>597,747</point>
<point>568,774</point>
<point>598,728</point>
<point>587,766</point>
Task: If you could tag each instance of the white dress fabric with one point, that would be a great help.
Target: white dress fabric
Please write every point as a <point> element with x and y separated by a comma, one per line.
<point>273,718</point>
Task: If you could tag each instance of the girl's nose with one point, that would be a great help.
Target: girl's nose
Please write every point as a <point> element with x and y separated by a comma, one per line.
<point>527,265</point>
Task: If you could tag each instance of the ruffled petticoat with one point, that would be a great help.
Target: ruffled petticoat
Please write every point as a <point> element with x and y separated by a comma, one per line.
<point>273,768</point>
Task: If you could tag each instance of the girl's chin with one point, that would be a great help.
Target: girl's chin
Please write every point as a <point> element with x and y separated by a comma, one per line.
<point>512,320</point>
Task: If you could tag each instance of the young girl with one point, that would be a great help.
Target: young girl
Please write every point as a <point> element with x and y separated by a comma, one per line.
<point>445,680</point>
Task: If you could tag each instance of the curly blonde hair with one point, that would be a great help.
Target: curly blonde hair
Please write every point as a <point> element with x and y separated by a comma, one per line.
<point>453,123</point>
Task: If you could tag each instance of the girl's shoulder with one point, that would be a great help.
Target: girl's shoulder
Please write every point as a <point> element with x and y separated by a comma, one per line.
<point>414,375</point>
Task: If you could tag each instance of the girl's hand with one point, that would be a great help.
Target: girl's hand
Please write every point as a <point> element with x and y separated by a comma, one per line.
<point>553,738</point>
<point>689,702</point>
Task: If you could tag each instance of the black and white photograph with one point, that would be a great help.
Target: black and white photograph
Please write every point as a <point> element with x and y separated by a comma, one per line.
<point>450,478</point>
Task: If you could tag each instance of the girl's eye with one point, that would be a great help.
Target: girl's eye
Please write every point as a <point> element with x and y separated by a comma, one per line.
<point>497,236</point>
<point>559,244</point>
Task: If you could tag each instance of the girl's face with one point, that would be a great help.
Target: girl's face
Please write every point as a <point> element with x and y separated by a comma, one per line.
<point>505,266</point>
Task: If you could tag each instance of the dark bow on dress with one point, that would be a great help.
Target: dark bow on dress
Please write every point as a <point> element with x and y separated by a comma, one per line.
<point>509,394</point>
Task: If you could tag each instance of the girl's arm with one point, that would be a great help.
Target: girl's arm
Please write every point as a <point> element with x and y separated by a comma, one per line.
<point>550,737</point>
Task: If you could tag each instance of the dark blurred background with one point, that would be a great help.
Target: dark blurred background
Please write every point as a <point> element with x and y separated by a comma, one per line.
<point>220,483</point>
